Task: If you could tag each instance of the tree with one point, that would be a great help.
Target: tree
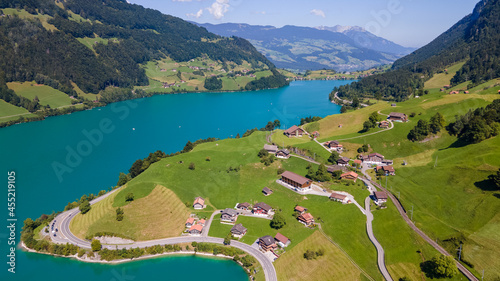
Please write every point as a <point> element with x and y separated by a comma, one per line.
<point>212,83</point>
<point>437,122</point>
<point>122,179</point>
<point>444,266</point>
<point>322,173</point>
<point>191,166</point>
<point>119,214</point>
<point>278,221</point>
<point>84,207</point>
<point>334,157</point>
<point>227,239</point>
<point>277,123</point>
<point>280,171</point>
<point>420,131</point>
<point>343,109</point>
<point>129,197</point>
<point>374,118</point>
<point>248,261</point>
<point>355,102</point>
<point>262,153</point>
<point>365,147</point>
<point>495,178</point>
<point>96,245</point>
<point>309,255</point>
<point>136,168</point>
<point>367,125</point>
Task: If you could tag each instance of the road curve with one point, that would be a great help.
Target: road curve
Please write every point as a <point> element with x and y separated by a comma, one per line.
<point>380,250</point>
<point>64,236</point>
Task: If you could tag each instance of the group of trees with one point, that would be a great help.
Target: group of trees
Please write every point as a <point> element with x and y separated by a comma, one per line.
<point>213,83</point>
<point>371,122</point>
<point>276,80</point>
<point>119,214</point>
<point>425,128</point>
<point>319,175</point>
<point>140,165</point>
<point>478,125</point>
<point>310,254</point>
<point>278,221</point>
<point>309,119</point>
<point>440,267</point>
<point>266,157</point>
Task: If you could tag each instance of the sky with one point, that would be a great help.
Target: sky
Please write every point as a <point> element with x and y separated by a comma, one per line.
<point>411,23</point>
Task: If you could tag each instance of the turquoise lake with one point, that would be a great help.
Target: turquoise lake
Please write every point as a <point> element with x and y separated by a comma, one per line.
<point>61,158</point>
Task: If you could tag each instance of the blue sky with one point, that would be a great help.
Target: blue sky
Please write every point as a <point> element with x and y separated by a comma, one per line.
<point>411,23</point>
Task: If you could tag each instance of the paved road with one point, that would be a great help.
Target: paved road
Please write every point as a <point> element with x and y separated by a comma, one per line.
<point>380,250</point>
<point>433,243</point>
<point>208,223</point>
<point>65,236</point>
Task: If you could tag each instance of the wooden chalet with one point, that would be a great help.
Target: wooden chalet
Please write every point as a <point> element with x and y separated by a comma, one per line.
<point>267,243</point>
<point>282,240</point>
<point>349,176</point>
<point>343,161</point>
<point>306,218</point>
<point>238,230</point>
<point>295,180</point>
<point>339,198</point>
<point>300,209</point>
<point>229,215</point>
<point>189,222</point>
<point>380,197</point>
<point>271,148</point>
<point>294,131</point>
<point>195,229</point>
<point>199,203</point>
<point>398,117</point>
<point>261,208</point>
<point>267,191</point>
<point>388,170</point>
<point>283,154</point>
<point>243,206</point>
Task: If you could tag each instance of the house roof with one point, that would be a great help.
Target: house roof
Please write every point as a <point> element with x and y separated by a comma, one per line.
<point>190,221</point>
<point>306,217</point>
<point>285,151</point>
<point>350,173</point>
<point>196,227</point>
<point>270,147</point>
<point>338,196</point>
<point>266,190</point>
<point>292,129</point>
<point>380,195</point>
<point>281,238</point>
<point>388,168</point>
<point>202,221</point>
<point>243,205</point>
<point>343,160</point>
<point>397,114</point>
<point>357,161</point>
<point>334,168</point>
<point>294,177</point>
<point>315,133</point>
<point>300,208</point>
<point>267,240</point>
<point>199,200</point>
<point>376,155</point>
<point>239,228</point>
<point>262,205</point>
<point>231,212</point>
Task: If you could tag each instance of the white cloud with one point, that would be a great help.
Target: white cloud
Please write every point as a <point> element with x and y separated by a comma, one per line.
<point>197,15</point>
<point>181,0</point>
<point>260,12</point>
<point>317,12</point>
<point>219,8</point>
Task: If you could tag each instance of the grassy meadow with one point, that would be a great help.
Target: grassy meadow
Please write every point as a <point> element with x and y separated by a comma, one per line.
<point>47,95</point>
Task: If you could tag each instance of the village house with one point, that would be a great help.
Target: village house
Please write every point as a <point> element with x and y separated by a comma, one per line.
<point>238,230</point>
<point>388,170</point>
<point>195,229</point>
<point>199,203</point>
<point>229,215</point>
<point>283,154</point>
<point>387,162</point>
<point>315,134</point>
<point>357,162</point>
<point>267,191</point>
<point>343,161</point>
<point>261,208</point>
<point>202,222</point>
<point>306,219</point>
<point>398,117</point>
<point>243,206</point>
<point>267,243</point>
<point>189,222</point>
<point>282,240</point>
<point>373,158</point>
<point>300,209</point>
<point>380,197</point>
<point>334,145</point>
<point>294,131</point>
<point>299,182</point>
<point>349,176</point>
<point>334,168</point>
<point>339,198</point>
<point>271,148</point>
<point>384,124</point>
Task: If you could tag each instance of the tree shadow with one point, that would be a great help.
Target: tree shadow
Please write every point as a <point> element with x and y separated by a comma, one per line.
<point>486,185</point>
<point>427,267</point>
<point>497,195</point>
<point>457,144</point>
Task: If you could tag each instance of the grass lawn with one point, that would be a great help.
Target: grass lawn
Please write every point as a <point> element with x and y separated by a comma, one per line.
<point>159,215</point>
<point>7,109</point>
<point>47,95</point>
<point>441,79</point>
<point>333,265</point>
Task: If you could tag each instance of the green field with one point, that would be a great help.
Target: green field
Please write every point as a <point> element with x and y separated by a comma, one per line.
<point>441,79</point>
<point>7,111</point>
<point>47,95</point>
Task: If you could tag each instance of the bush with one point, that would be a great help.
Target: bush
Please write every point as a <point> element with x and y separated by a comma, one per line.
<point>84,207</point>
<point>96,245</point>
<point>309,255</point>
<point>119,214</point>
<point>280,171</point>
<point>278,221</point>
<point>191,166</point>
<point>129,197</point>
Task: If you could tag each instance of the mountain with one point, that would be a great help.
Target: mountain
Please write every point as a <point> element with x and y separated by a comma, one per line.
<point>368,40</point>
<point>91,45</point>
<point>307,48</point>
<point>474,39</point>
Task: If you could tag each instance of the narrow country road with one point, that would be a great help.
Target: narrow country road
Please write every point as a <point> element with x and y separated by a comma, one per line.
<point>64,235</point>
<point>380,250</point>
<point>347,101</point>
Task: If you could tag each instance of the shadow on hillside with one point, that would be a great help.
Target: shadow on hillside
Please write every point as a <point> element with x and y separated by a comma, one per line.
<point>497,195</point>
<point>486,185</point>
<point>428,267</point>
<point>457,144</point>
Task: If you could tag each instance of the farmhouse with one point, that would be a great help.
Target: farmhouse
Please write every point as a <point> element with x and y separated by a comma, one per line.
<point>189,222</point>
<point>357,162</point>
<point>267,191</point>
<point>334,145</point>
<point>339,198</point>
<point>283,154</point>
<point>300,209</point>
<point>271,148</point>
<point>315,134</point>
<point>380,197</point>
<point>243,206</point>
<point>282,240</point>
<point>199,203</point>
<point>307,219</point>
<point>384,124</point>
<point>195,229</point>
<point>294,131</point>
<point>261,208</point>
<point>343,161</point>
<point>229,215</point>
<point>373,158</point>
<point>299,182</point>
<point>267,243</point>
<point>349,176</point>
<point>398,117</point>
<point>238,230</point>
<point>388,170</point>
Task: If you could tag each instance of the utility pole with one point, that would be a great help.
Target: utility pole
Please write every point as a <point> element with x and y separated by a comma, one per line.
<point>411,213</point>
<point>436,163</point>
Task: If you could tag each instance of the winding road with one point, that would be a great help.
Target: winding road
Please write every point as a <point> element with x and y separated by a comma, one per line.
<point>64,235</point>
